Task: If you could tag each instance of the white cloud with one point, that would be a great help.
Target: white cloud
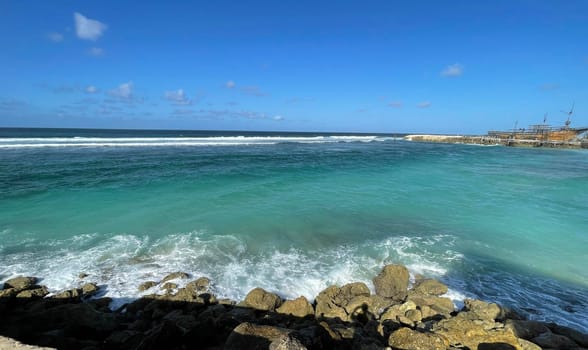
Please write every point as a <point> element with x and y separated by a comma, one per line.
<point>454,70</point>
<point>230,84</point>
<point>278,118</point>
<point>395,104</point>
<point>91,89</point>
<point>96,51</point>
<point>123,91</point>
<point>177,97</point>
<point>424,104</point>
<point>88,29</point>
<point>55,37</point>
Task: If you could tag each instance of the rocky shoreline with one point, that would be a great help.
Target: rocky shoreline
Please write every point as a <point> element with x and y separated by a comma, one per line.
<point>341,317</point>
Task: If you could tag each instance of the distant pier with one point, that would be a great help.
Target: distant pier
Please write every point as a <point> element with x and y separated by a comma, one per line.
<point>491,140</point>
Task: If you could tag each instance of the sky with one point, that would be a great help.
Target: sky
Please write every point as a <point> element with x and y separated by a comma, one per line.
<point>350,66</point>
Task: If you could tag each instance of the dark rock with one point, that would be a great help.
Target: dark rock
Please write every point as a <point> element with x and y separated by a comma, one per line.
<point>392,282</point>
<point>430,287</point>
<point>526,329</point>
<point>299,307</point>
<point>166,335</point>
<point>251,336</point>
<point>146,285</point>
<point>82,275</point>
<point>578,337</point>
<point>260,299</point>
<point>554,341</point>
<point>199,285</point>
<point>175,275</point>
<point>408,339</point>
<point>20,283</point>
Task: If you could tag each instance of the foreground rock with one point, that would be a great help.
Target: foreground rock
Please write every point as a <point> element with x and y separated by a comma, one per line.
<point>342,317</point>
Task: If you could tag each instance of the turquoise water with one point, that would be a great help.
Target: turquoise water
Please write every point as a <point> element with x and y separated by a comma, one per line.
<point>294,213</point>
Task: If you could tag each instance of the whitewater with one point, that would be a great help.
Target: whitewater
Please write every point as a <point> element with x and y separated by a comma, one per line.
<point>294,213</point>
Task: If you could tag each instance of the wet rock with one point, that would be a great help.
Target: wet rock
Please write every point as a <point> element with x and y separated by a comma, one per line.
<point>146,285</point>
<point>554,341</point>
<point>299,307</point>
<point>526,329</point>
<point>175,275</point>
<point>261,299</point>
<point>430,287</point>
<point>38,292</point>
<point>82,275</point>
<point>527,345</point>
<point>392,282</point>
<point>406,338</point>
<point>251,336</point>
<point>20,283</point>
<point>578,337</point>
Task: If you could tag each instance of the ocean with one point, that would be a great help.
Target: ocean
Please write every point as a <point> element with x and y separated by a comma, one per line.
<point>294,213</point>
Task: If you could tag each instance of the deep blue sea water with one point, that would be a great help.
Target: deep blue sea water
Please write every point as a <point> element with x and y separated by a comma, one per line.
<point>294,213</point>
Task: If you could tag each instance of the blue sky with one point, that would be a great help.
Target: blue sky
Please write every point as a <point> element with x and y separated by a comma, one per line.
<point>365,66</point>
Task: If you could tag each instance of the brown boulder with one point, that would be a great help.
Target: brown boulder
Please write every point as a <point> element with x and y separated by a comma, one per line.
<point>331,302</point>
<point>392,282</point>
<point>408,339</point>
<point>299,307</point>
<point>146,285</point>
<point>199,285</point>
<point>37,292</point>
<point>430,287</point>
<point>483,309</point>
<point>432,306</point>
<point>287,342</point>
<point>526,329</point>
<point>8,293</point>
<point>261,299</point>
<point>74,293</point>
<point>89,289</point>
<point>20,283</point>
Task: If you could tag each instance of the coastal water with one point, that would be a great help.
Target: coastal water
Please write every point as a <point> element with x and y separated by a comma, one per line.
<point>294,213</point>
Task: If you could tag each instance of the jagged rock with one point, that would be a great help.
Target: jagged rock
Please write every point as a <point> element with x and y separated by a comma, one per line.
<point>251,336</point>
<point>74,293</point>
<point>408,339</point>
<point>438,305</point>
<point>37,292</point>
<point>89,289</point>
<point>168,286</point>
<point>466,329</point>
<point>127,339</point>
<point>146,285</point>
<point>82,275</point>
<point>286,343</point>
<point>414,315</point>
<point>331,302</point>
<point>261,299</point>
<point>483,309</point>
<point>430,287</point>
<point>12,344</point>
<point>526,329</point>
<point>164,336</point>
<point>8,293</point>
<point>299,307</point>
<point>392,282</point>
<point>199,285</point>
<point>20,283</point>
<point>175,275</point>
<point>527,345</point>
<point>554,341</point>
